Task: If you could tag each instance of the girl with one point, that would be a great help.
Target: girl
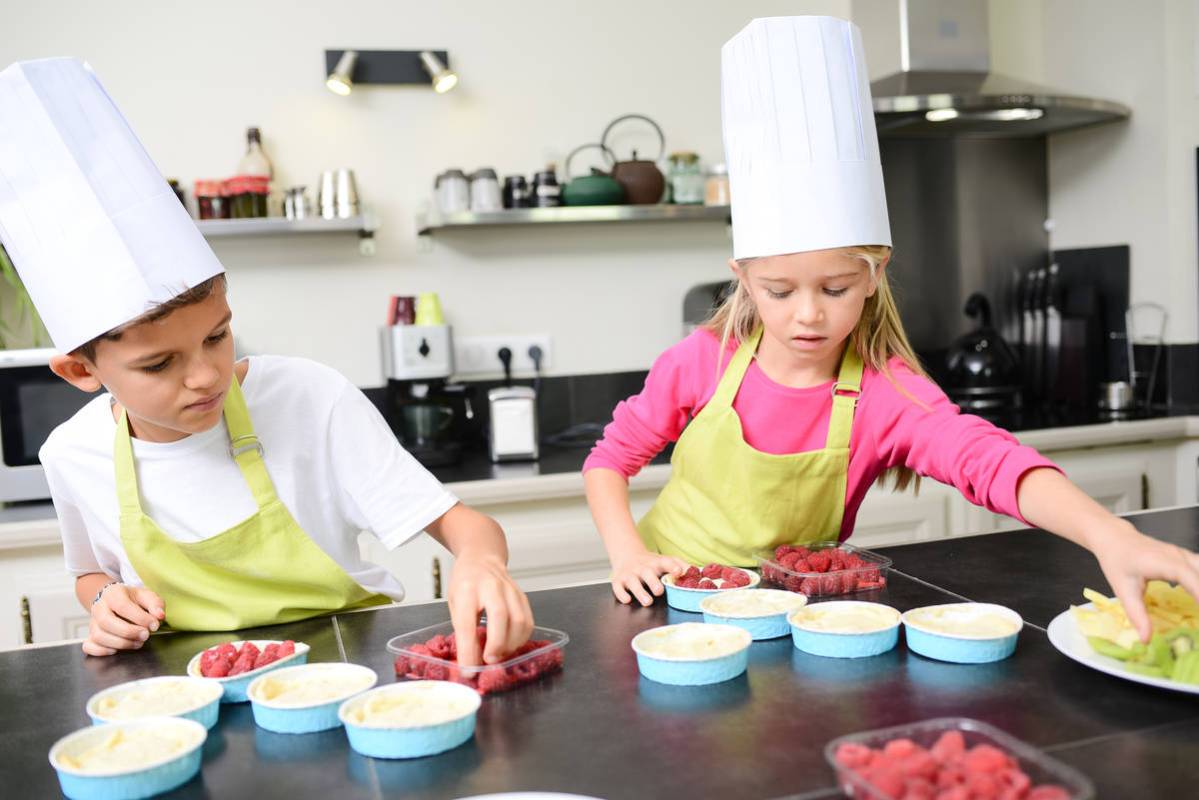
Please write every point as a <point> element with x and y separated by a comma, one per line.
<point>802,390</point>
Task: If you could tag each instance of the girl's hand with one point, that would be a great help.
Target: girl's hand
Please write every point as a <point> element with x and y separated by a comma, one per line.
<point>481,583</point>
<point>1129,559</point>
<point>639,569</point>
<point>122,619</point>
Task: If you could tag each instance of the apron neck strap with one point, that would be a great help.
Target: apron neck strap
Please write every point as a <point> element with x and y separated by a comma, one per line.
<point>122,458</point>
<point>245,447</point>
<point>730,382</point>
<point>845,391</point>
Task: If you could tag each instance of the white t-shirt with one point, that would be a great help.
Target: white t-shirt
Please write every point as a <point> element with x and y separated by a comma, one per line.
<point>335,464</point>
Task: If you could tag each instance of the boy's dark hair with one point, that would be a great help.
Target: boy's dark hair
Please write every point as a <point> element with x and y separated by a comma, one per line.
<point>197,294</point>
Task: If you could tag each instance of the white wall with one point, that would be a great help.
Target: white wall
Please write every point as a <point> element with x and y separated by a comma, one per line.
<point>1133,182</point>
<point>538,78</point>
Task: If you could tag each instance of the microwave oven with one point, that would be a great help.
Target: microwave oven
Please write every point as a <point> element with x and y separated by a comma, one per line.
<point>33,402</point>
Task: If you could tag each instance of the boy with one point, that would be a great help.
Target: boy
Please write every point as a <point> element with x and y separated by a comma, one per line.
<point>198,491</point>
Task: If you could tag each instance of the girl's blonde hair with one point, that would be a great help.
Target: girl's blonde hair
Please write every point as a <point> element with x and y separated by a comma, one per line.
<point>878,336</point>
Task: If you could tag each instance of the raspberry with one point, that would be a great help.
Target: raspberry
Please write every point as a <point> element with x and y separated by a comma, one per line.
<point>830,584</point>
<point>836,559</point>
<point>918,789</point>
<point>852,755</point>
<point>951,775</point>
<point>870,579</point>
<point>420,650</point>
<point>849,582</point>
<point>707,584</point>
<point>741,578</point>
<point>437,672</point>
<point>803,551</point>
<point>788,561</point>
<point>985,758</point>
<point>954,793</point>
<point>693,572</point>
<point>439,646</point>
<point>819,562</point>
<point>793,584</point>
<point>802,565</point>
<point>401,666</point>
<point>810,586</point>
<point>886,779</point>
<point>899,748</point>
<point>245,659</point>
<point>269,653</point>
<point>782,550</point>
<point>1015,781</point>
<point>1048,792</point>
<point>493,680</point>
<point>712,571</point>
<point>287,648</point>
<point>687,583</point>
<point>982,785</point>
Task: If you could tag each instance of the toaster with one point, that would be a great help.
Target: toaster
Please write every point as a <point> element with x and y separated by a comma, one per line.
<point>513,429</point>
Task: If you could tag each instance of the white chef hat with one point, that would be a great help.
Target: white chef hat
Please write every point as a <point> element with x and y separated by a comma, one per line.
<point>799,138</point>
<point>95,232</point>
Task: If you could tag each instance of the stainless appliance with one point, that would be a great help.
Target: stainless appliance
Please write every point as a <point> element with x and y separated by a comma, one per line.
<point>935,59</point>
<point>513,423</point>
<point>426,412</point>
<point>33,402</point>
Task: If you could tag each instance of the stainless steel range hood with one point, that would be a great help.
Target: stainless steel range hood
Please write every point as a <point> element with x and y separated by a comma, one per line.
<point>944,85</point>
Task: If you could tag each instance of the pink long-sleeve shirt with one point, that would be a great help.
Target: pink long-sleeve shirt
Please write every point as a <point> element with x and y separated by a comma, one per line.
<point>984,462</point>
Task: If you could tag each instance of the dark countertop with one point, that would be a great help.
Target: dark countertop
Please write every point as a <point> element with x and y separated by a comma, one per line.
<point>598,728</point>
<point>555,459</point>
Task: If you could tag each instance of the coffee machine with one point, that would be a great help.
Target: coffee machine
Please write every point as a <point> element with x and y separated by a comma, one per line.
<point>427,412</point>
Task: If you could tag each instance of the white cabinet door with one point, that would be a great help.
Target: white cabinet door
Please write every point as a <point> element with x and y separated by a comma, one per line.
<point>54,616</point>
<point>886,517</point>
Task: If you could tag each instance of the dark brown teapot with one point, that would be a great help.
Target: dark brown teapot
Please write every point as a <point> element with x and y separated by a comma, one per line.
<point>643,182</point>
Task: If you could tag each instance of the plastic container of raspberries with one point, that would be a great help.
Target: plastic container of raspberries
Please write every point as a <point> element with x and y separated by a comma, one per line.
<point>431,654</point>
<point>823,569</point>
<point>938,754</point>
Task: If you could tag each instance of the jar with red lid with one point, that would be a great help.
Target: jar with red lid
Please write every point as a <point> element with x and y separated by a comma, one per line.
<point>249,194</point>
<point>211,202</point>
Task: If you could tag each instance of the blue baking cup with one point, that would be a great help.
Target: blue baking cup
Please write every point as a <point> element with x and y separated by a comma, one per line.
<point>305,719</point>
<point>414,741</point>
<point>691,672</point>
<point>689,599</point>
<point>145,781</point>
<point>760,626</point>
<point>204,712</point>
<point>235,687</point>
<point>941,646</point>
<point>844,645</point>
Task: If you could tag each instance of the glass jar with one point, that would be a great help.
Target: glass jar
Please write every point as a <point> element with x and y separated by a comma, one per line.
<point>716,188</point>
<point>686,179</point>
<point>249,194</point>
<point>211,202</point>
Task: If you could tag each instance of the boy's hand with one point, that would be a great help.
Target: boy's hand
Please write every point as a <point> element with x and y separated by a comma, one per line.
<point>1129,559</point>
<point>640,568</point>
<point>122,619</point>
<point>481,583</point>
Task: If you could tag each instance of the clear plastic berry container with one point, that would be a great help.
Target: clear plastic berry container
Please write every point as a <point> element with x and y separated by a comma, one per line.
<point>417,664</point>
<point>870,575</point>
<point>1041,769</point>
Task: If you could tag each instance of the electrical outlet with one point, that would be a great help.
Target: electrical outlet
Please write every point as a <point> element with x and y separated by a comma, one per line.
<point>475,355</point>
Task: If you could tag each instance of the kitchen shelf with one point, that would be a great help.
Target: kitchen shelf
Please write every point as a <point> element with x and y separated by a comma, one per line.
<point>432,222</point>
<point>364,225</point>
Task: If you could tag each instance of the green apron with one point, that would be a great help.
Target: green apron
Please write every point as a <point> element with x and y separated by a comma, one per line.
<point>725,501</point>
<point>263,571</point>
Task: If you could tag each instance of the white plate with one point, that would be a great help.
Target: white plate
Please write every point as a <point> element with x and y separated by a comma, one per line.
<point>1067,638</point>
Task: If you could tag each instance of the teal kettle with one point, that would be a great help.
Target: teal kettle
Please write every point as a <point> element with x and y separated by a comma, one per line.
<point>597,189</point>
